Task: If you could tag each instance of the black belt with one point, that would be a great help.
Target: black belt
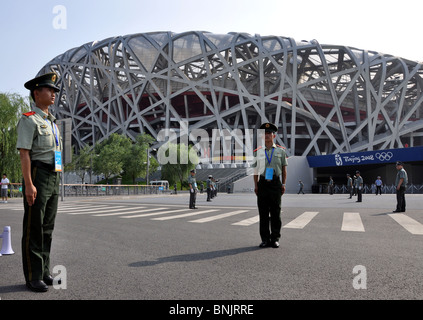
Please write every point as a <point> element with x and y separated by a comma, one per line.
<point>43,165</point>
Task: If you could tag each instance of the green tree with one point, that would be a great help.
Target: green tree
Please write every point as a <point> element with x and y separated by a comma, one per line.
<point>82,162</point>
<point>11,108</point>
<point>186,160</point>
<point>135,164</point>
<point>111,155</point>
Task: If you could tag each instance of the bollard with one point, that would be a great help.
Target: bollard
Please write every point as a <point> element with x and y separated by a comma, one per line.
<point>6,247</point>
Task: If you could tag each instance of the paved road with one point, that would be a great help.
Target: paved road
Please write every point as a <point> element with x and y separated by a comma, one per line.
<point>154,248</point>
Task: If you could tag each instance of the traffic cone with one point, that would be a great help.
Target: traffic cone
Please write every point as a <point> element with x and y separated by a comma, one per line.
<point>6,248</point>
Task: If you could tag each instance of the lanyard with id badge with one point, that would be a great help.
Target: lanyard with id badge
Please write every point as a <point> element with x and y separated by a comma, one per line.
<point>269,171</point>
<point>57,154</point>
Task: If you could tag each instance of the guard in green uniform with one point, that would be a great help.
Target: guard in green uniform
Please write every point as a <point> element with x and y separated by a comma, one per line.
<point>192,183</point>
<point>401,181</point>
<point>40,147</point>
<point>269,168</point>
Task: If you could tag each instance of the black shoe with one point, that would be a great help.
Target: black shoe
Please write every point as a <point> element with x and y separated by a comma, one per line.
<point>264,244</point>
<point>48,280</point>
<point>397,211</point>
<point>37,286</point>
<point>275,244</point>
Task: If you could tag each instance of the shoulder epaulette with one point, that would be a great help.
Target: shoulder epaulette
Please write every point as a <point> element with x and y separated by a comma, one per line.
<point>258,149</point>
<point>280,146</point>
<point>28,114</point>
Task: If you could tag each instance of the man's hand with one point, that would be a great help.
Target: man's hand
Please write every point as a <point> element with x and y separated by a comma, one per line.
<point>30,194</point>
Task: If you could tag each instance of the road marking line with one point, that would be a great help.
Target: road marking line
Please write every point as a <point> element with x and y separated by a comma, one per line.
<point>85,211</point>
<point>352,222</point>
<point>411,225</point>
<point>77,209</point>
<point>302,220</point>
<point>219,216</point>
<point>247,222</point>
<point>194,213</point>
<point>126,212</point>
<point>152,214</point>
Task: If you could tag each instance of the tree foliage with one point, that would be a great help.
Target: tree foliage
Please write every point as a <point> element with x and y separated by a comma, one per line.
<point>186,159</point>
<point>11,108</point>
<point>115,156</point>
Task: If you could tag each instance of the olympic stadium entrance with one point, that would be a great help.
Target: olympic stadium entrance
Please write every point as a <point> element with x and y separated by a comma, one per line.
<point>371,164</point>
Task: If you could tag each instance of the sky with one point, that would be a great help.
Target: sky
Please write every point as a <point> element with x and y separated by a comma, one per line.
<point>33,32</point>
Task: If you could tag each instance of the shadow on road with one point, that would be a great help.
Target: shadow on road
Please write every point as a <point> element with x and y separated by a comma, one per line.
<point>194,256</point>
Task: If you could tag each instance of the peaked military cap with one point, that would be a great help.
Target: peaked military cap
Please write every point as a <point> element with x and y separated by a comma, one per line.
<point>46,80</point>
<point>270,127</point>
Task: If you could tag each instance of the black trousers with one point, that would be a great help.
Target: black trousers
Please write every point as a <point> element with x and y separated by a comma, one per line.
<point>38,224</point>
<point>401,199</point>
<point>192,198</point>
<point>269,198</point>
<point>359,194</point>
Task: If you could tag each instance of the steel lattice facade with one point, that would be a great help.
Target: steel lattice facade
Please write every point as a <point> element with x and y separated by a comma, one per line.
<point>324,98</point>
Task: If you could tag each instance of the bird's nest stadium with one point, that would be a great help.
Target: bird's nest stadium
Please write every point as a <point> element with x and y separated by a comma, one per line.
<point>325,99</point>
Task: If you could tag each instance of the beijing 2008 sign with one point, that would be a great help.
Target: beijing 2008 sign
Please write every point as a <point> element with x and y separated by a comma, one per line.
<point>367,157</point>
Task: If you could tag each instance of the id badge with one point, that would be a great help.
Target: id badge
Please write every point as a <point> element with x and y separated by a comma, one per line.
<point>269,174</point>
<point>57,161</point>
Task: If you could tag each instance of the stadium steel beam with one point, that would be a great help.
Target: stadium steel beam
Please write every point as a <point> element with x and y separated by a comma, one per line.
<point>324,98</point>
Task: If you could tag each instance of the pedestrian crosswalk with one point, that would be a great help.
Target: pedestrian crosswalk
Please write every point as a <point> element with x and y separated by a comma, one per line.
<point>352,222</point>
<point>242,217</point>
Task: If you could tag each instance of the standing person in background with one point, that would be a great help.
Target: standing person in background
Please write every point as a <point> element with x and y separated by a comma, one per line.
<point>192,190</point>
<point>4,188</point>
<point>349,185</point>
<point>359,185</point>
<point>401,181</point>
<point>209,187</point>
<point>330,185</point>
<point>378,184</point>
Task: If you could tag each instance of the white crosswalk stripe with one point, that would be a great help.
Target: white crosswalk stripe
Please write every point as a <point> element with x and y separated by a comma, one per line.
<point>301,221</point>
<point>247,222</point>
<point>194,213</point>
<point>411,225</point>
<point>352,222</point>
<point>219,216</point>
<point>80,208</point>
<point>152,214</point>
<point>95,210</point>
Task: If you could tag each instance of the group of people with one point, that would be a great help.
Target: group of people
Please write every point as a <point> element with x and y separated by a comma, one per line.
<point>211,188</point>
<point>355,186</point>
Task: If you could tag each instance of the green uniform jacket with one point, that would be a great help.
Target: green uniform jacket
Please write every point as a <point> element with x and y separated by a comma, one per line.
<point>37,132</point>
<point>279,159</point>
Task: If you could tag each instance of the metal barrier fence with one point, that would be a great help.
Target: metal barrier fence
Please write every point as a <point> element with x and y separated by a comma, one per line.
<point>91,190</point>
<point>369,189</point>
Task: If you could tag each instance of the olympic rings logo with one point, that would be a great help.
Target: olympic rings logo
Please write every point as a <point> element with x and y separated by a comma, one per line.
<point>384,156</point>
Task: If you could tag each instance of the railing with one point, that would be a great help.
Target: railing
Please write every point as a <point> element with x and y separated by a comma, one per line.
<point>91,190</point>
<point>369,189</point>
